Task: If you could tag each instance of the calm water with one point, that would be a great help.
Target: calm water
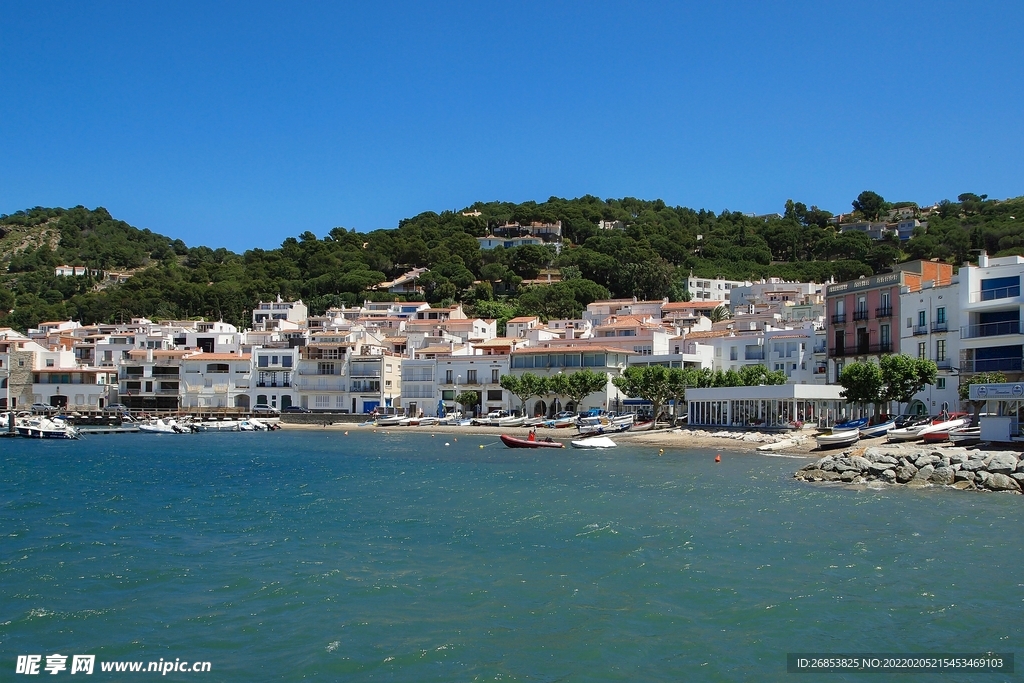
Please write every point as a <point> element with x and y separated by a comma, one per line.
<point>287,556</point>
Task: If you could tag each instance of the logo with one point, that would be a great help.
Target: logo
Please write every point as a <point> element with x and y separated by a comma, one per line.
<point>1018,390</point>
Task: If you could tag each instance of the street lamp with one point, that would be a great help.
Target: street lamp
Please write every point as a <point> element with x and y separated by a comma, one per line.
<point>456,396</point>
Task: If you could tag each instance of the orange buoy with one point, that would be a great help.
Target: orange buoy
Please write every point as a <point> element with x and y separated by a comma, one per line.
<point>718,458</point>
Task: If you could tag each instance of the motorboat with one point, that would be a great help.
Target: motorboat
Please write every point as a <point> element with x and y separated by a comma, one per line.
<point>165,425</point>
<point>253,425</point>
<point>516,442</point>
<point>643,426</point>
<point>43,427</point>
<point>217,426</point>
<point>877,430</point>
<point>593,442</point>
<point>851,424</point>
<point>837,438</point>
<point>912,420</point>
<point>911,432</point>
<point>604,424</point>
<point>965,436</point>
<point>561,421</point>
<point>450,419</point>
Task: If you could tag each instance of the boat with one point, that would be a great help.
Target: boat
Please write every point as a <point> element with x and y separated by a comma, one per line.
<point>561,422</point>
<point>643,426</point>
<point>936,433</point>
<point>43,427</point>
<point>515,442</point>
<point>451,419</point>
<point>511,421</point>
<point>593,442</point>
<point>217,426</point>
<point>851,424</point>
<point>604,424</point>
<point>965,436</point>
<point>911,431</point>
<point>837,438</point>
<point>168,425</point>
<point>877,430</point>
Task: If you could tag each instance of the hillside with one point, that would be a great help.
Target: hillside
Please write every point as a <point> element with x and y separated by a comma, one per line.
<point>646,249</point>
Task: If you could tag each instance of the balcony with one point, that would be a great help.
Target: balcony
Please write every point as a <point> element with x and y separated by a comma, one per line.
<point>994,294</point>
<point>860,314</point>
<point>861,350</point>
<point>990,329</point>
<point>883,312</point>
<point>273,385</point>
<point>940,326</point>
<point>920,329</point>
<point>753,355</point>
<point>838,318</point>
<point>991,365</point>
<point>944,364</point>
<point>820,348</point>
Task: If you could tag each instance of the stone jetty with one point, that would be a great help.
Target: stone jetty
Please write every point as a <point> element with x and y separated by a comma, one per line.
<point>909,466</point>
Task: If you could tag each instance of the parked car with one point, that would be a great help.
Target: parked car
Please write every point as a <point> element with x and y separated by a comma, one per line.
<point>295,409</point>
<point>264,409</point>
<point>42,408</point>
<point>117,407</point>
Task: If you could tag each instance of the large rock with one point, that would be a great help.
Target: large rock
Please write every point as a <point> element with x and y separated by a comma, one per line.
<point>849,475</point>
<point>981,477</point>
<point>924,473</point>
<point>925,460</point>
<point>962,485</point>
<point>964,475</point>
<point>955,458</point>
<point>889,476</point>
<point>879,467</point>
<point>1002,463</point>
<point>1001,482</point>
<point>811,474</point>
<point>845,464</point>
<point>1018,477</point>
<point>905,473</point>
<point>862,464</point>
<point>830,476</point>
<point>942,475</point>
<point>972,466</point>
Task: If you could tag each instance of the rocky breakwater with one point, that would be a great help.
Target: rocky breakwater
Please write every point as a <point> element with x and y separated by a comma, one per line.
<point>899,465</point>
<point>743,436</point>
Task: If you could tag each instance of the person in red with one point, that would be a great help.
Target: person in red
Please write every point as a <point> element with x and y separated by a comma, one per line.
<point>533,435</point>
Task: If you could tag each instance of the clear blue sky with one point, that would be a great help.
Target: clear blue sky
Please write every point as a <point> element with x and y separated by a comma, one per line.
<point>239,124</point>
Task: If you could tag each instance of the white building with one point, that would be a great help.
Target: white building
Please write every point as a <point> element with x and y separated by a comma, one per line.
<point>564,358</point>
<point>266,312</point>
<point>931,330</point>
<point>215,380</point>
<point>991,338</point>
<point>272,377</point>
<point>713,289</point>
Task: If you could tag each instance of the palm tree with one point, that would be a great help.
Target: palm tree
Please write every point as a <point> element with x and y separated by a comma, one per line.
<point>720,313</point>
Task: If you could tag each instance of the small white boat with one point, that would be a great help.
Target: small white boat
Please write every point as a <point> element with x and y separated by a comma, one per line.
<point>450,419</point>
<point>940,432</point>
<point>217,426</point>
<point>166,425</point>
<point>965,436</point>
<point>877,430</point>
<point>836,439</point>
<point>910,433</point>
<point>252,425</point>
<point>511,421</point>
<point>594,442</point>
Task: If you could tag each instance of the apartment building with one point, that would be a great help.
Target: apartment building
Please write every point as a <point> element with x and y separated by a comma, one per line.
<point>931,330</point>
<point>214,380</point>
<point>566,358</point>
<point>991,336</point>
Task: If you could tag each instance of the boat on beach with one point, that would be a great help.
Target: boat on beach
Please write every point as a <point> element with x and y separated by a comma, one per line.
<point>516,442</point>
<point>965,436</point>
<point>837,438</point>
<point>604,424</point>
<point>873,431</point>
<point>166,425</point>
<point>939,432</point>
<point>593,442</point>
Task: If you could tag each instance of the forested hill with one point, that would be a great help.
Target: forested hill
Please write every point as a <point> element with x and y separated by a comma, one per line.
<point>647,253</point>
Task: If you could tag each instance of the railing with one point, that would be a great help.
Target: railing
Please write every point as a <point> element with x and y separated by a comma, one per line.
<point>838,318</point>
<point>940,326</point>
<point>920,329</point>
<point>883,312</point>
<point>994,294</point>
<point>944,364</point>
<point>991,365</point>
<point>131,375</point>
<point>821,348</point>
<point>990,329</point>
<point>860,314</point>
<point>273,384</point>
<point>753,355</point>
<point>861,350</point>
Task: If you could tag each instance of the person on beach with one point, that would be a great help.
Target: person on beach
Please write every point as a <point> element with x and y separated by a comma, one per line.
<point>533,435</point>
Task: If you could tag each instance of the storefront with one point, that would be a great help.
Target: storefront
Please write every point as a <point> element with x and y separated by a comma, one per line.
<point>1003,410</point>
<point>766,407</point>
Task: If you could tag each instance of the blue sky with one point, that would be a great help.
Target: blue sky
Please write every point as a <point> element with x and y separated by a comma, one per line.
<point>240,124</point>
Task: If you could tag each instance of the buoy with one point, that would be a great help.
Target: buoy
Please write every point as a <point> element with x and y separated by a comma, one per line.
<point>346,432</point>
<point>661,451</point>
<point>433,435</point>
<point>455,439</point>
<point>481,445</point>
<point>718,458</point>
<point>447,444</point>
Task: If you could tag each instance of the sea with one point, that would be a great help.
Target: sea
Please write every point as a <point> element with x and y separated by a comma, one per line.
<point>361,556</point>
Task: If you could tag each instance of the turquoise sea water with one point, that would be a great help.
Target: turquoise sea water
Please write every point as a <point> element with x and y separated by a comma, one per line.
<point>289,556</point>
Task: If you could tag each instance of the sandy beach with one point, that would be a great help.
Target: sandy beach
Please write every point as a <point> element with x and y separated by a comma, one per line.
<point>662,438</point>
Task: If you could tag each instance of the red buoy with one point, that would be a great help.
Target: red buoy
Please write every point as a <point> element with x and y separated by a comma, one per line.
<point>718,458</point>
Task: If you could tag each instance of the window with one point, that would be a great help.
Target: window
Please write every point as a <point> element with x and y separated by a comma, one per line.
<point>471,377</point>
<point>494,395</point>
<point>920,318</point>
<point>273,360</point>
<point>940,383</point>
<point>921,350</point>
<point>884,335</point>
<point>286,361</point>
<point>494,376</point>
<point>49,362</point>
<point>910,323</point>
<point>325,368</point>
<point>263,362</point>
<point>339,401</point>
<point>940,349</point>
<point>387,383</point>
<point>940,314</point>
<point>322,401</point>
<point>447,376</point>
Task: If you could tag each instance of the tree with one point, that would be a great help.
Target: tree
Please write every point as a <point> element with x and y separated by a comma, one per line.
<point>720,313</point>
<point>870,204</point>
<point>650,383</point>
<point>583,383</point>
<point>964,390</point>
<point>904,376</point>
<point>467,399</point>
<point>756,375</point>
<point>524,386</point>
<point>678,380</point>
<point>862,383</point>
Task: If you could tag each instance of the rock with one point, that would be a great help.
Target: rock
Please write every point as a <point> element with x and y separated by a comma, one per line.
<point>905,473</point>
<point>889,476</point>
<point>955,458</point>
<point>1001,482</point>
<point>862,464</point>
<point>1002,463</point>
<point>924,473</point>
<point>962,485</point>
<point>887,459</point>
<point>844,464</point>
<point>1018,477</point>
<point>811,475</point>
<point>981,476</point>
<point>956,466</point>
<point>809,466</point>
<point>830,476</point>
<point>849,475</point>
<point>972,465</point>
<point>926,460</point>
<point>945,461</point>
<point>977,455</point>
<point>942,475</point>
<point>829,465</point>
<point>964,475</point>
<point>879,467</point>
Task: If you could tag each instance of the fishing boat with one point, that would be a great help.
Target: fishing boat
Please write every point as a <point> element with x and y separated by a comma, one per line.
<point>939,432</point>
<point>217,426</point>
<point>850,424</point>
<point>451,419</point>
<point>910,432</point>
<point>45,428</point>
<point>593,442</point>
<point>604,424</point>
<point>965,436</point>
<point>837,438</point>
<point>561,421</point>
<point>877,430</point>
<point>515,442</point>
<point>642,426</point>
